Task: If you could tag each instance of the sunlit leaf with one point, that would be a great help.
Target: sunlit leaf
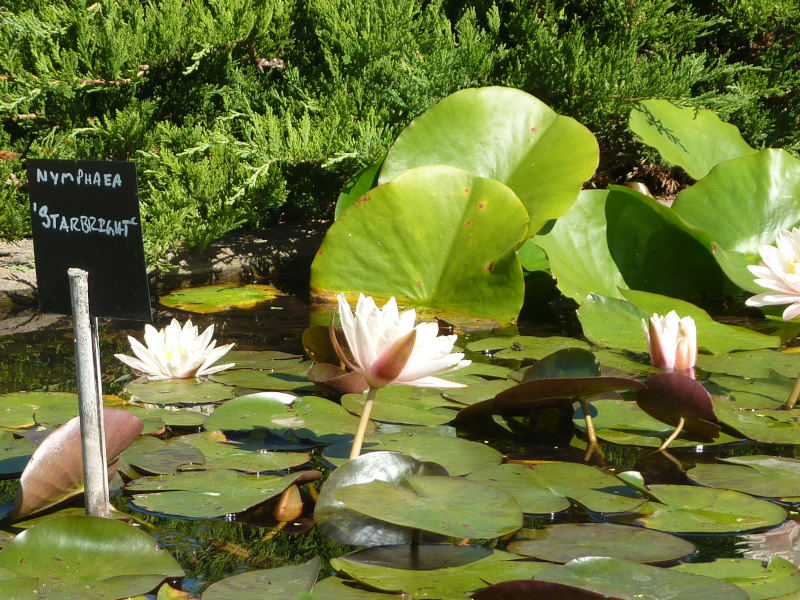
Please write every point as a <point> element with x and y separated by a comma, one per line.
<point>291,582</point>
<point>218,298</point>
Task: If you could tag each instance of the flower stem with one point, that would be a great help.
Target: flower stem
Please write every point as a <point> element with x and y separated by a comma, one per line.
<point>793,396</point>
<point>355,451</point>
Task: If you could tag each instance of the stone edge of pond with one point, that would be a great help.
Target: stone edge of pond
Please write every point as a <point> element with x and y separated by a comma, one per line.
<point>280,256</point>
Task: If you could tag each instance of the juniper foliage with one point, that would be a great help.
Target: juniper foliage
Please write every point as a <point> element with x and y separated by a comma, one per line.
<point>246,112</point>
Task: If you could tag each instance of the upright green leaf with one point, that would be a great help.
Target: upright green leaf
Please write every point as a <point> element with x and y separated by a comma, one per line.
<point>693,138</point>
<point>507,135</point>
<point>435,237</point>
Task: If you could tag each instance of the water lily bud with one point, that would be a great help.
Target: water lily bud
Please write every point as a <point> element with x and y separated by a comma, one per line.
<point>672,341</point>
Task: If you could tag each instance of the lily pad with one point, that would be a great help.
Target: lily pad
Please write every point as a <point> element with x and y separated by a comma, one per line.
<point>14,454</point>
<point>308,417</point>
<point>178,391</point>
<point>765,476</point>
<point>507,135</point>
<point>623,422</point>
<point>85,557</point>
<point>208,494</point>
<point>524,346</point>
<point>449,506</point>
<point>218,298</point>
<point>519,481</point>
<point>18,408</point>
<point>777,578</point>
<point>405,404</point>
<point>693,509</point>
<point>267,360</point>
<point>753,393</point>
<point>347,526</point>
<point>157,457</point>
<point>765,189</point>
<point>444,582</point>
<point>435,237</point>
<point>265,380</point>
<point>631,581</point>
<point>770,426</point>
<point>757,364</point>
<point>282,582</point>
<point>477,392</point>
<point>564,542</point>
<point>598,492</point>
<point>249,456</point>
<point>458,456</point>
<point>693,138</point>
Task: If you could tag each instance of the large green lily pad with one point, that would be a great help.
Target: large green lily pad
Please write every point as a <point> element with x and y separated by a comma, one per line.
<point>778,578</point>
<point>631,581</point>
<point>618,238</point>
<point>357,186</point>
<point>249,456</point>
<point>507,135</point>
<point>458,456</point>
<point>308,417</point>
<point>158,457</point>
<point>267,360</point>
<point>434,237</point>
<point>208,494</point>
<point>289,582</point>
<point>693,138</point>
<point>449,506</point>
<point>218,298</point>
<point>84,558</point>
<point>766,476</point>
<point>564,542</point>
<point>694,509</point>
<point>519,481</point>
<point>453,582</point>
<point>765,189</point>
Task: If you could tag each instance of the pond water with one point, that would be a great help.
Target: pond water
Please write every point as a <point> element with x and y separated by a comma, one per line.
<point>212,549</point>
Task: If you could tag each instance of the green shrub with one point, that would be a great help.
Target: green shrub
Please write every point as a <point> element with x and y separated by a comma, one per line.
<point>245,112</point>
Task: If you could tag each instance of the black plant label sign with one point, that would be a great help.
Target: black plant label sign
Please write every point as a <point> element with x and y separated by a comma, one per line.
<point>85,214</point>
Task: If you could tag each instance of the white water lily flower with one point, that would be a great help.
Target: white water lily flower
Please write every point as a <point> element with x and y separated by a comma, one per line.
<point>778,271</point>
<point>672,341</point>
<point>388,348</point>
<point>176,352</point>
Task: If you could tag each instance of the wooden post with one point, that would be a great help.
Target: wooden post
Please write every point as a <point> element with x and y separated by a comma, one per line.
<point>95,474</point>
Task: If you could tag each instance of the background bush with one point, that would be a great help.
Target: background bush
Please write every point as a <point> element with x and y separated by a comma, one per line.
<point>244,113</point>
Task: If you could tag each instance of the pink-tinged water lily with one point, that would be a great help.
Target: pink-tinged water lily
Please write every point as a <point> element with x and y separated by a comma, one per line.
<point>778,271</point>
<point>672,341</point>
<point>176,352</point>
<point>388,347</point>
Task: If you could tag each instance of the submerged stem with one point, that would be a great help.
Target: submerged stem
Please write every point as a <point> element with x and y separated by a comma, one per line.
<point>590,432</point>
<point>355,451</point>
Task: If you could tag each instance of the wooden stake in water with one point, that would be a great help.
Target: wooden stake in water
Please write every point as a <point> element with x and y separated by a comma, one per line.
<point>90,398</point>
